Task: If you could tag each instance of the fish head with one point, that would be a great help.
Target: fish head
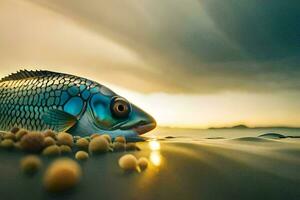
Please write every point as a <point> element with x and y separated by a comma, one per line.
<point>115,115</point>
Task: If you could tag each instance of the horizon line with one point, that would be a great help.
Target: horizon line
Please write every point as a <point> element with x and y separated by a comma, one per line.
<point>229,127</point>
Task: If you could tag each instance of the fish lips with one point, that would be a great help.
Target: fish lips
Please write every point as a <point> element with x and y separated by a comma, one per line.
<point>140,127</point>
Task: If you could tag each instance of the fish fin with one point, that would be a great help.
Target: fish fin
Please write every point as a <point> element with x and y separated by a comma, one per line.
<point>22,74</point>
<point>59,119</point>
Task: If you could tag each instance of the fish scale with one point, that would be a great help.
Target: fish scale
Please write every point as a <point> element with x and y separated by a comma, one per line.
<point>26,95</point>
<point>39,100</point>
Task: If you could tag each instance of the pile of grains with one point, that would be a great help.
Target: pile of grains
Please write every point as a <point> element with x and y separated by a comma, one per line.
<point>52,144</point>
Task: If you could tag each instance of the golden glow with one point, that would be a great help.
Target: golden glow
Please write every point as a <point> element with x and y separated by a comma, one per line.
<point>154,145</point>
<point>155,158</point>
<point>216,110</point>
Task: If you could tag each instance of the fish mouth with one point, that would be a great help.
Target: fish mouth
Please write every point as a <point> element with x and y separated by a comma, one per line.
<point>142,128</point>
<point>139,122</point>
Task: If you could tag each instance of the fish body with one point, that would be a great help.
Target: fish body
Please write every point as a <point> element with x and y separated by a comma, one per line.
<point>39,100</point>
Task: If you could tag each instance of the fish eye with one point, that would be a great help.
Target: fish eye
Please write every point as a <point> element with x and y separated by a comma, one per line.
<point>120,108</point>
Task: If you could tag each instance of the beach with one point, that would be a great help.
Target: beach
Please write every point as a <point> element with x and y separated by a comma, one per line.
<point>194,100</point>
<point>181,167</point>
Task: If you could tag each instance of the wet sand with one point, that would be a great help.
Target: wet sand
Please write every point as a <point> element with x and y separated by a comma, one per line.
<point>245,167</point>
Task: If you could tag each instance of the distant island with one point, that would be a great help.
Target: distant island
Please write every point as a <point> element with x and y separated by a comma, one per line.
<point>240,126</point>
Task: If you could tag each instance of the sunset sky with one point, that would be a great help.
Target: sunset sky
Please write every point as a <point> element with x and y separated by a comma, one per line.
<point>192,63</point>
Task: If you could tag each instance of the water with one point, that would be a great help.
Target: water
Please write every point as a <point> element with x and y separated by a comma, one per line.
<point>220,133</point>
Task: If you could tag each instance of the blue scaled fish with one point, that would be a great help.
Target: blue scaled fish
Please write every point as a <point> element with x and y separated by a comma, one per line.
<point>39,100</point>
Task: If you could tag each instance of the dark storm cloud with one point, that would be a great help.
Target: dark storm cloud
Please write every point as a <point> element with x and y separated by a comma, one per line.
<point>264,29</point>
<point>200,46</point>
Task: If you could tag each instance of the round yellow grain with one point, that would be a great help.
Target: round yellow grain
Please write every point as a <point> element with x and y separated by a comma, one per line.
<point>48,141</point>
<point>30,164</point>
<point>61,175</point>
<point>98,145</point>
<point>52,150</point>
<point>128,162</point>
<point>21,133</point>
<point>82,143</point>
<point>50,133</point>
<point>143,163</point>
<point>65,149</point>
<point>32,141</point>
<point>7,144</point>
<point>81,155</point>
<point>64,138</point>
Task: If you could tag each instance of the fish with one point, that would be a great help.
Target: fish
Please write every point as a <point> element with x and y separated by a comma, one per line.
<point>39,100</point>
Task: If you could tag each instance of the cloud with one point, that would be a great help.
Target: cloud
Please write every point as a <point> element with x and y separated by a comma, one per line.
<point>203,46</point>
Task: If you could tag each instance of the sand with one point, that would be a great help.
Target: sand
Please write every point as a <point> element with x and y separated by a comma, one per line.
<point>181,167</point>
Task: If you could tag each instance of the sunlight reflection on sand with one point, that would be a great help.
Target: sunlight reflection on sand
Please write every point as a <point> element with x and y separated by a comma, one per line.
<point>155,156</point>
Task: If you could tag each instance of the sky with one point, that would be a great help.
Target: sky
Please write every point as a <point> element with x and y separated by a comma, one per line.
<point>192,63</point>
